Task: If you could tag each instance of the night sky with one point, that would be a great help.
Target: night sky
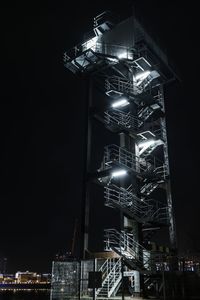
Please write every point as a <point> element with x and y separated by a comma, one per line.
<point>42,117</point>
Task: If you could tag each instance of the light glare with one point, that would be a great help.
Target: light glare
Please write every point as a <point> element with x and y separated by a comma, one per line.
<point>91,44</point>
<point>122,55</point>
<point>146,143</point>
<point>119,173</point>
<point>120,103</point>
<point>143,75</point>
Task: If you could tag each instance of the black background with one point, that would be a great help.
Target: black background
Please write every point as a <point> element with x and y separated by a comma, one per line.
<point>42,122</point>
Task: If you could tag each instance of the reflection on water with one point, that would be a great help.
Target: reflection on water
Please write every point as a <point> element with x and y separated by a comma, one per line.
<point>25,295</point>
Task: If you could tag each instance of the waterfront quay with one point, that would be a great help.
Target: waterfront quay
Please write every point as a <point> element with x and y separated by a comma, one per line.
<point>25,281</point>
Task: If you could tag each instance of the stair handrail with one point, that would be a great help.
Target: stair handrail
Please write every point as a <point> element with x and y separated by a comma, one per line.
<point>98,47</point>
<point>124,157</point>
<point>111,267</point>
<point>127,199</point>
<point>122,240</point>
<point>126,120</point>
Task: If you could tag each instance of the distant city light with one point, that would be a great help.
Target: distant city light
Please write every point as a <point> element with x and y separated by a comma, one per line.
<point>119,173</point>
<point>120,103</point>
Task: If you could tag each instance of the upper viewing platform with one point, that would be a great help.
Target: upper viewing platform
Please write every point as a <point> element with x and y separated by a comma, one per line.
<point>122,44</point>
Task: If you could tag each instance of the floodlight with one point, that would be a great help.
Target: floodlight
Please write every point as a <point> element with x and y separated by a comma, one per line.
<point>120,103</point>
<point>119,173</point>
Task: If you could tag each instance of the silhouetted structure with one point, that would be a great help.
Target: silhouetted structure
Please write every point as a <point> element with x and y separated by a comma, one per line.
<point>126,73</point>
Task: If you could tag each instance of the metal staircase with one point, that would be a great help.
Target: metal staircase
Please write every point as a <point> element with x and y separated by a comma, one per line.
<point>142,76</point>
<point>143,210</point>
<point>93,54</point>
<point>117,120</point>
<point>148,188</point>
<point>148,147</point>
<point>112,275</point>
<point>145,112</point>
<point>157,178</point>
<point>143,83</point>
<point>138,74</point>
<point>115,85</point>
<point>134,255</point>
<point>115,156</point>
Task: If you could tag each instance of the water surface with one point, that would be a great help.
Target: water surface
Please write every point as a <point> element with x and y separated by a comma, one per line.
<point>25,295</point>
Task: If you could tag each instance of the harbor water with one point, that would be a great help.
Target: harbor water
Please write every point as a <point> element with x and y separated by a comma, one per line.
<point>25,295</point>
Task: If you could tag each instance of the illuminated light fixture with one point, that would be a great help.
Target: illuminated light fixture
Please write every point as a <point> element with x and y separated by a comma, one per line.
<point>91,44</point>
<point>122,55</point>
<point>120,103</point>
<point>142,75</point>
<point>112,59</point>
<point>146,144</point>
<point>138,78</point>
<point>119,173</point>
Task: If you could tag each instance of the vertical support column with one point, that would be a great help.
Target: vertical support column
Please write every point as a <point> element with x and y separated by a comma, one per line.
<point>131,225</point>
<point>172,227</point>
<point>94,283</point>
<point>122,271</point>
<point>86,184</point>
<point>136,282</point>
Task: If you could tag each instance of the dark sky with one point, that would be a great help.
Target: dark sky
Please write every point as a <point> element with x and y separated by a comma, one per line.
<point>42,117</point>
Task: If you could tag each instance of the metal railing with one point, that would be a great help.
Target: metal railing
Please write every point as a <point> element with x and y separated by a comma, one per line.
<point>122,120</point>
<point>129,87</point>
<point>159,174</point>
<point>111,273</point>
<point>148,188</point>
<point>146,210</point>
<point>120,197</point>
<point>145,113</point>
<point>115,155</point>
<point>145,83</point>
<point>123,86</point>
<point>130,249</point>
<point>149,148</point>
<point>118,51</point>
<point>125,120</point>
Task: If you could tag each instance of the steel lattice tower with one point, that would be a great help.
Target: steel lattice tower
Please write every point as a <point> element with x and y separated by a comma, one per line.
<point>124,63</point>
